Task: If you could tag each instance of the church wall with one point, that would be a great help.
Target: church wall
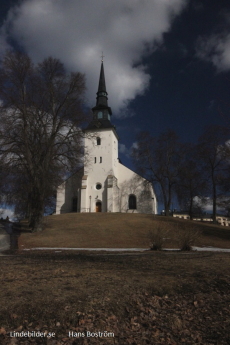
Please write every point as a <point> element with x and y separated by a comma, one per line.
<point>66,192</point>
<point>130,183</point>
<point>60,200</point>
<point>101,162</point>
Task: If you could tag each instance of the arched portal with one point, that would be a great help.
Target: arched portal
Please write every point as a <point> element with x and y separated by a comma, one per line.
<point>132,202</point>
<point>98,206</point>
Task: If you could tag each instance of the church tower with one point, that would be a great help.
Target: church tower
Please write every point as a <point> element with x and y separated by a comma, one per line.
<point>104,184</point>
<point>101,147</point>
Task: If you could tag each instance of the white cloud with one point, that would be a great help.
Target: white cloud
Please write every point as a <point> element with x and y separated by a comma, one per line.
<point>207,204</point>
<point>127,151</point>
<point>216,47</point>
<point>123,149</point>
<point>77,31</point>
<point>134,145</point>
<point>4,212</point>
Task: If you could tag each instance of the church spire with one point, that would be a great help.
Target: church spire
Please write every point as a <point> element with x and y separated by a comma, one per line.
<point>101,85</point>
<point>102,98</point>
<point>102,112</point>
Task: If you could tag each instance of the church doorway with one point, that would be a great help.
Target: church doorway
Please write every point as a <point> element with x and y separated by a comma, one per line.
<point>98,206</point>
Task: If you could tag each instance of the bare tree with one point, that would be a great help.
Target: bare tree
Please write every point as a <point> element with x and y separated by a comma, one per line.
<point>212,155</point>
<point>41,140</point>
<point>159,159</point>
<point>192,181</point>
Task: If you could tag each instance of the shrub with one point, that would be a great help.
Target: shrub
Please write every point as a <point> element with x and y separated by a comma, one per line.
<point>157,237</point>
<point>188,238</point>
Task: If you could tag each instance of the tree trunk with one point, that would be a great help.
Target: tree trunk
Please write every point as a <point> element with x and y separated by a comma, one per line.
<point>167,208</point>
<point>214,202</point>
<point>36,210</point>
<point>36,223</point>
<point>168,203</point>
<point>165,199</point>
<point>191,208</point>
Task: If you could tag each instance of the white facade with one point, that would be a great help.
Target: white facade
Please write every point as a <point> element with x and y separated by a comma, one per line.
<point>104,185</point>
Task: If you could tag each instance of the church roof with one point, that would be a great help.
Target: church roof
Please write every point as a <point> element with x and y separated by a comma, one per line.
<point>101,85</point>
<point>102,123</point>
<point>101,112</point>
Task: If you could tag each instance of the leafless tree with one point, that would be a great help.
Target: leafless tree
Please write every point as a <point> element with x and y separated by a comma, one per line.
<point>212,155</point>
<point>159,159</point>
<point>192,181</point>
<point>41,140</point>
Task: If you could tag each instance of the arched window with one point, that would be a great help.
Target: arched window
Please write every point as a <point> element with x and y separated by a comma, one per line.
<point>132,202</point>
<point>98,141</point>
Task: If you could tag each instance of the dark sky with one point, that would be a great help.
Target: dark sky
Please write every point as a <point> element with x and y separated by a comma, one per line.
<point>186,93</point>
<point>189,65</point>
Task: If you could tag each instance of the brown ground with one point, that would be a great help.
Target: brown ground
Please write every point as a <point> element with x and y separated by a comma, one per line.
<point>168,298</point>
<point>117,230</point>
<point>154,298</point>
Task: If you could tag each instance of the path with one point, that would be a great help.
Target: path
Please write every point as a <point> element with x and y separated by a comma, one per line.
<point>199,249</point>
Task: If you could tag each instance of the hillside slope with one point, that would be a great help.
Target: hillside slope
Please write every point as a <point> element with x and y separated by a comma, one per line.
<point>119,230</point>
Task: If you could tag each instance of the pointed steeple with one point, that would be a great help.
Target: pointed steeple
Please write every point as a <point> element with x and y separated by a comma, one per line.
<point>101,85</point>
<point>101,112</point>
<point>102,98</point>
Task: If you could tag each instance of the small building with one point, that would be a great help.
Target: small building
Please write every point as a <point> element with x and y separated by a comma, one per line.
<point>222,220</point>
<point>104,184</point>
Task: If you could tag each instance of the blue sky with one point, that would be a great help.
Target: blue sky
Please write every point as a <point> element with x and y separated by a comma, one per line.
<point>167,63</point>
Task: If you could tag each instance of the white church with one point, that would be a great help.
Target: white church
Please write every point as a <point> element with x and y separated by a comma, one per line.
<point>104,184</point>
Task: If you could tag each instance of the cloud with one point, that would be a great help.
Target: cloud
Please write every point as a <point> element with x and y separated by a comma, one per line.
<point>215,48</point>
<point>3,41</point>
<point>127,151</point>
<point>207,204</point>
<point>4,212</point>
<point>78,31</point>
<point>124,150</point>
<point>134,145</point>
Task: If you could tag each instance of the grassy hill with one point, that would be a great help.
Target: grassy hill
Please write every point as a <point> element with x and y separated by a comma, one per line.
<point>153,297</point>
<point>119,230</point>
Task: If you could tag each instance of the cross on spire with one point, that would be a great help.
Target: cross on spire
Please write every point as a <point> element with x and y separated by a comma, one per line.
<point>102,56</point>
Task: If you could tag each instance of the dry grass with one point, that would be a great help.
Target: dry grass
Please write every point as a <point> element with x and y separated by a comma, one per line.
<point>158,236</point>
<point>55,291</point>
<point>117,230</point>
<point>188,239</point>
<point>155,297</point>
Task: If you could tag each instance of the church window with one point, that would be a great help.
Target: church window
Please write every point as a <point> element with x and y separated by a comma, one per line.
<point>95,160</point>
<point>100,115</point>
<point>100,159</point>
<point>132,202</point>
<point>98,141</point>
<point>98,186</point>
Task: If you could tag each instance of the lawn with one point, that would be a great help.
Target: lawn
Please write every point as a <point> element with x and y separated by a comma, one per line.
<point>119,230</point>
<point>169,298</point>
<point>164,297</point>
